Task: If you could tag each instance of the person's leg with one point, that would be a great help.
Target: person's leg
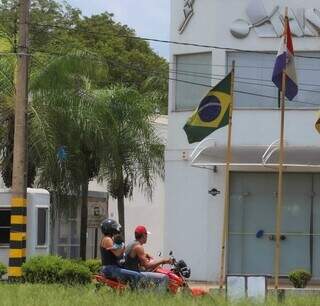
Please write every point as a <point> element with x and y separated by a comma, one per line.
<point>107,271</point>
<point>132,277</point>
<point>161,280</point>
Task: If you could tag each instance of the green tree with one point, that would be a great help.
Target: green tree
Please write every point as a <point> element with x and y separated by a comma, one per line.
<point>7,93</point>
<point>67,130</point>
<point>70,110</point>
<point>7,66</point>
<point>58,28</point>
<point>41,11</point>
<point>134,155</point>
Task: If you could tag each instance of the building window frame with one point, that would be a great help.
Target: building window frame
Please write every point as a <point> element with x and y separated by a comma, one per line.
<point>291,106</point>
<point>5,227</point>
<point>175,76</point>
<point>42,241</point>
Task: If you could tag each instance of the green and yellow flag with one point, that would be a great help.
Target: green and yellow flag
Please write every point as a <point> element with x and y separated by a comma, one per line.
<point>212,112</point>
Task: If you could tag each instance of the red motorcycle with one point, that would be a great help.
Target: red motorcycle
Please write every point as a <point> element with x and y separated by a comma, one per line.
<point>177,274</point>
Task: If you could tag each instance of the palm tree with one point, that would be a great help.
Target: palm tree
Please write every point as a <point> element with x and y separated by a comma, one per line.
<point>7,92</point>
<point>134,154</point>
<point>66,118</point>
<point>109,132</point>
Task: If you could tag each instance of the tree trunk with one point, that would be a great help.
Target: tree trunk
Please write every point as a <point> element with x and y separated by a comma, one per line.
<point>121,214</point>
<point>84,219</point>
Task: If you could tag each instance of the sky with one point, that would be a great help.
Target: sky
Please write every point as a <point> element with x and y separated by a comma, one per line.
<point>149,18</point>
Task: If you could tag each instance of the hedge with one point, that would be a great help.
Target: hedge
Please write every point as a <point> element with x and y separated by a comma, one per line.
<point>54,269</point>
<point>3,269</point>
<point>94,265</point>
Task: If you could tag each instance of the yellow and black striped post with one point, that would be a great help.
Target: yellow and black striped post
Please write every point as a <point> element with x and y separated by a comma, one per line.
<point>17,253</point>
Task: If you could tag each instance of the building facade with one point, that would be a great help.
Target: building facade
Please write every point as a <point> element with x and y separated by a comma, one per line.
<point>247,32</point>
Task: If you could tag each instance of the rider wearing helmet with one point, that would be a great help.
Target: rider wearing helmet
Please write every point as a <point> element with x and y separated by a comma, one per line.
<point>111,252</point>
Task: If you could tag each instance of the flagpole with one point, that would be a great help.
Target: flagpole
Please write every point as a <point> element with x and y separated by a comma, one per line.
<point>281,158</point>
<point>226,192</point>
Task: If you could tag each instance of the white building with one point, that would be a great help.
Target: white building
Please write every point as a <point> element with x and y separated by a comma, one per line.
<point>194,218</point>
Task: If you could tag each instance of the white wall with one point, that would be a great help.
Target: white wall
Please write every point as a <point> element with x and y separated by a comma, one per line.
<point>193,219</point>
<point>141,211</point>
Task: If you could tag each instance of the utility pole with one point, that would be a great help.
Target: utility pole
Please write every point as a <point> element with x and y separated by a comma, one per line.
<point>17,253</point>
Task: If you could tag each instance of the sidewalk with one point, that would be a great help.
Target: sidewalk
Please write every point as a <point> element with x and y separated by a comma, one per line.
<point>203,285</point>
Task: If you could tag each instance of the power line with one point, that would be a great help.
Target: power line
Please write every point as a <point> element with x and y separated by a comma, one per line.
<point>241,82</point>
<point>163,40</point>
<point>77,29</point>
<point>13,53</point>
<point>212,65</point>
<point>197,74</point>
<point>105,61</point>
<point>206,85</point>
<point>243,92</point>
<point>237,66</point>
<point>236,77</point>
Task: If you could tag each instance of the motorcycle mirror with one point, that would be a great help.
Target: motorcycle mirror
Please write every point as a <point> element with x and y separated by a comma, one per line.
<point>170,253</point>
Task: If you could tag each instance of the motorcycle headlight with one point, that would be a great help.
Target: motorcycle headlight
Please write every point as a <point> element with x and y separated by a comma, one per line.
<point>186,272</point>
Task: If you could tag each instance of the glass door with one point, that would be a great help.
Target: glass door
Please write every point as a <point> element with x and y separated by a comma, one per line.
<point>253,198</point>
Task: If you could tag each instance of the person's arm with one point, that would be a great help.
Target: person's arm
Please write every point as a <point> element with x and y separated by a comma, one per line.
<point>149,256</point>
<point>107,243</point>
<point>149,264</point>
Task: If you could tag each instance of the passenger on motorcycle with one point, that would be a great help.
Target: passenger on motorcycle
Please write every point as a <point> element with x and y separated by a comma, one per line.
<point>136,259</point>
<point>111,251</point>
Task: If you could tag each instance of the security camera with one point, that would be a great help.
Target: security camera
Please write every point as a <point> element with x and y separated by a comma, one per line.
<point>214,192</point>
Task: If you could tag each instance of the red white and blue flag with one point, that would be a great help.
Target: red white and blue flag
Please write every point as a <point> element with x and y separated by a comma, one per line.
<point>285,63</point>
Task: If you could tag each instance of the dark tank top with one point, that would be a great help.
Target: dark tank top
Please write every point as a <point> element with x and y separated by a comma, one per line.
<point>131,263</point>
<point>107,257</point>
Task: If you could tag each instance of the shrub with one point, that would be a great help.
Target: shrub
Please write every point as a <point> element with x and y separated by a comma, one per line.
<point>74,273</point>
<point>3,269</point>
<point>42,269</point>
<point>299,278</point>
<point>54,269</point>
<point>94,265</point>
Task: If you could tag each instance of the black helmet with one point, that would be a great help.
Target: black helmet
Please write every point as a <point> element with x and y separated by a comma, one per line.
<point>110,227</point>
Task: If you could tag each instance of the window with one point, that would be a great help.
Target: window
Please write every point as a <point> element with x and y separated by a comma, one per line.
<point>191,68</point>
<point>67,231</point>
<point>253,75</point>
<point>5,214</point>
<point>42,226</point>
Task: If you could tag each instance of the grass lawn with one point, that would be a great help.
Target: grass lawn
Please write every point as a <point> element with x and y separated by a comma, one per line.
<point>42,295</point>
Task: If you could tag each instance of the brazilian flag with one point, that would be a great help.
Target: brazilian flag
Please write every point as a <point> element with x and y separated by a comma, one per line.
<point>212,112</point>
